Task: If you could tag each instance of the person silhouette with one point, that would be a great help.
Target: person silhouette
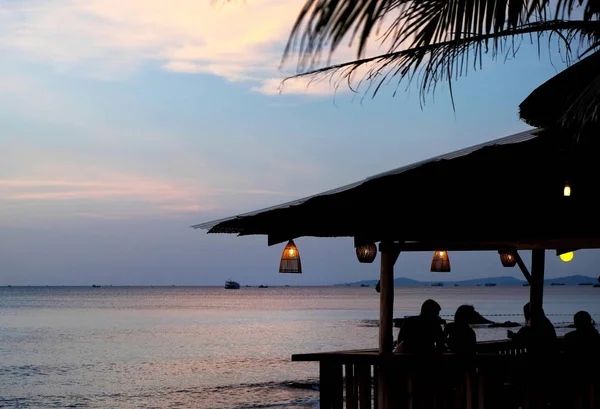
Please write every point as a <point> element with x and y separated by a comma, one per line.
<point>538,338</point>
<point>585,340</point>
<point>459,335</point>
<point>422,333</point>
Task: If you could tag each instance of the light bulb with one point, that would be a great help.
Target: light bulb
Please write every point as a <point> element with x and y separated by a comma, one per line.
<point>566,257</point>
<point>567,190</point>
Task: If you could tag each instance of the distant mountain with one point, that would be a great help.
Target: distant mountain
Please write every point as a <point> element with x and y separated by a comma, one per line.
<point>572,280</point>
<point>504,280</point>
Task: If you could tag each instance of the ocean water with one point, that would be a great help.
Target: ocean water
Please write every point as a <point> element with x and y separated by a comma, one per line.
<point>206,347</point>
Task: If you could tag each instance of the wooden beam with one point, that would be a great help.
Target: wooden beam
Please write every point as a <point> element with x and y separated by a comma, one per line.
<point>522,266</point>
<point>536,289</point>
<point>389,254</point>
<point>478,245</point>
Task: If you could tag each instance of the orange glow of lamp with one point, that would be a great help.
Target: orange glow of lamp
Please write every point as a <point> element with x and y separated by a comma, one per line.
<point>290,259</point>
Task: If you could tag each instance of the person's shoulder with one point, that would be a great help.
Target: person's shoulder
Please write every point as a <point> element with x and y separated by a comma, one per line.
<point>450,327</point>
<point>410,321</point>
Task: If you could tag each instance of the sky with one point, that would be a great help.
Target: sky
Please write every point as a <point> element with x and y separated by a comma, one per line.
<point>124,123</point>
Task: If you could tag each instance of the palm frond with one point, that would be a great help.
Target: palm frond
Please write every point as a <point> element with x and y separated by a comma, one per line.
<point>446,61</point>
<point>325,24</point>
<point>428,34</point>
<point>569,101</point>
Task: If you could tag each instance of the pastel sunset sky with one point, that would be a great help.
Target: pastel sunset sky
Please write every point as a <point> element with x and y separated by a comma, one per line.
<point>126,122</point>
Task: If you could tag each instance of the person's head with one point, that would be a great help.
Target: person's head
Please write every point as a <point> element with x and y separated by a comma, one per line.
<point>583,320</point>
<point>463,314</point>
<point>527,311</point>
<point>430,308</point>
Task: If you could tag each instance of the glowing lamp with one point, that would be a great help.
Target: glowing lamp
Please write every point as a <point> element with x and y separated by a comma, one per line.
<point>440,262</point>
<point>290,259</point>
<point>508,259</point>
<point>567,189</point>
<point>566,257</point>
<point>366,253</point>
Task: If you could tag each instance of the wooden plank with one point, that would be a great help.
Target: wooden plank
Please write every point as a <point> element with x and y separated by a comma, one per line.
<point>337,377</point>
<point>364,386</point>
<point>376,388</point>
<point>351,395</point>
<point>325,389</point>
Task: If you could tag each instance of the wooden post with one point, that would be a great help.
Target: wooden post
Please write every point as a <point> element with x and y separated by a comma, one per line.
<point>389,255</point>
<point>536,289</point>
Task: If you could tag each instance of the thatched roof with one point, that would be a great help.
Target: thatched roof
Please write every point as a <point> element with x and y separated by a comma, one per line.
<point>569,101</point>
<point>507,193</point>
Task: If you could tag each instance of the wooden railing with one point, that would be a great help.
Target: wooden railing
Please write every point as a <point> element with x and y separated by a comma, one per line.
<point>499,376</point>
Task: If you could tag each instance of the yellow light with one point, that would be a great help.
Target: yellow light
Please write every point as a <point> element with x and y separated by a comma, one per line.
<point>291,251</point>
<point>567,191</point>
<point>440,262</point>
<point>566,257</point>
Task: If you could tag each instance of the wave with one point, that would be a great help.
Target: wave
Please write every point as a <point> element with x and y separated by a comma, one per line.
<point>298,394</point>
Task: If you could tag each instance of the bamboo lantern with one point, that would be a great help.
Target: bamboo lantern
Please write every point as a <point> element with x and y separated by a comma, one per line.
<point>366,252</point>
<point>290,259</point>
<point>507,259</point>
<point>440,262</point>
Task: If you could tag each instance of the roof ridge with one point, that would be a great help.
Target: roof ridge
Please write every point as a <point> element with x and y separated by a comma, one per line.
<point>514,138</point>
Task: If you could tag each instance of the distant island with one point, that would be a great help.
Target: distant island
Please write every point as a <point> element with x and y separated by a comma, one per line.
<point>490,281</point>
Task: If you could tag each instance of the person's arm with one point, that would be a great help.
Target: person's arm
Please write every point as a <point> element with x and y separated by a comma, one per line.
<point>473,340</point>
<point>440,342</point>
<point>402,332</point>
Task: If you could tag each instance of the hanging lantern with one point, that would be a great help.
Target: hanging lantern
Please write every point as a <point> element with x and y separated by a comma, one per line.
<point>290,259</point>
<point>567,189</point>
<point>507,259</point>
<point>366,252</point>
<point>440,262</point>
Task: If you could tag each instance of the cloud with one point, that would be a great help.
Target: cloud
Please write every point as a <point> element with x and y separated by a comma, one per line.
<point>111,39</point>
<point>276,86</point>
<point>149,196</point>
<point>187,208</point>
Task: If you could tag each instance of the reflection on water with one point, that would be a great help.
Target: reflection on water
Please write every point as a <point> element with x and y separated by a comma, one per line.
<point>209,347</point>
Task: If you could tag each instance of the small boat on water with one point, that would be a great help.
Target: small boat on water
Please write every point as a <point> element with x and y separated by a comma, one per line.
<point>232,285</point>
<point>263,286</point>
<point>437,284</point>
<point>490,284</point>
<point>557,284</point>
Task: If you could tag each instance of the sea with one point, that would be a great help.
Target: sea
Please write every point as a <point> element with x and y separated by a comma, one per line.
<point>212,348</point>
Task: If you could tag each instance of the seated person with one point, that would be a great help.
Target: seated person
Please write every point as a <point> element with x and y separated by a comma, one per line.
<point>422,333</point>
<point>459,335</point>
<point>585,339</point>
<point>541,338</point>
